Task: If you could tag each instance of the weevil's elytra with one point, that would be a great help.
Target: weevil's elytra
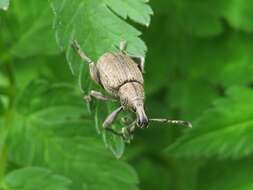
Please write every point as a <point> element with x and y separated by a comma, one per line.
<point>121,75</point>
<point>117,69</point>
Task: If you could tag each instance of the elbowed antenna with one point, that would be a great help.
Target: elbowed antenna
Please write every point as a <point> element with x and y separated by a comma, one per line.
<point>177,122</point>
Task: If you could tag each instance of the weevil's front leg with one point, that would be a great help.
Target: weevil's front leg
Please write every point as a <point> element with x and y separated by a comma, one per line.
<point>98,96</point>
<point>110,119</point>
<point>76,46</point>
<point>93,69</point>
<point>177,122</point>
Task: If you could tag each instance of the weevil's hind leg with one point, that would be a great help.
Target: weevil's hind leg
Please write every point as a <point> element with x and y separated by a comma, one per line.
<point>177,122</point>
<point>98,96</point>
<point>76,46</point>
<point>111,118</point>
<point>140,62</point>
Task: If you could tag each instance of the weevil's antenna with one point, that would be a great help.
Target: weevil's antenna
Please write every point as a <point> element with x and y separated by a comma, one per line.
<point>76,46</point>
<point>177,122</point>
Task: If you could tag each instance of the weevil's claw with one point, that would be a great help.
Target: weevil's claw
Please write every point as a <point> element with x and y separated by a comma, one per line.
<point>123,45</point>
<point>87,98</point>
<point>127,134</point>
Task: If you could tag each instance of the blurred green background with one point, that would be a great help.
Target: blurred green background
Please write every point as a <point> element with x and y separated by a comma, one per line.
<point>199,67</point>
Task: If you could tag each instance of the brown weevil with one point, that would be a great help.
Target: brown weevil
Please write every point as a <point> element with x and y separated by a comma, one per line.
<point>121,75</point>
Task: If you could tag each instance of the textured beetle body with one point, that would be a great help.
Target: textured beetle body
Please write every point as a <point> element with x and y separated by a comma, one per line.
<point>119,75</point>
<point>116,69</point>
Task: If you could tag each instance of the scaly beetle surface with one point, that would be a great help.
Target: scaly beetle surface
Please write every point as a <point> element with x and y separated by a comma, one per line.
<point>121,75</point>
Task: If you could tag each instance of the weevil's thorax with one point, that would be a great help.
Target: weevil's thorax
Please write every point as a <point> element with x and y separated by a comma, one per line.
<point>131,95</point>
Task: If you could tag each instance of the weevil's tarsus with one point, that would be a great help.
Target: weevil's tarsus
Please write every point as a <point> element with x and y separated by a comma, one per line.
<point>76,46</point>
<point>177,122</point>
<point>128,131</point>
<point>111,130</point>
<point>123,46</point>
<point>132,127</point>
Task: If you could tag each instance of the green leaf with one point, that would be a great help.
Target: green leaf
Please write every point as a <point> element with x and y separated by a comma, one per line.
<point>185,94</point>
<point>239,14</point>
<point>223,131</point>
<point>98,30</point>
<point>35,178</point>
<point>53,130</point>
<point>4,4</point>
<point>27,29</point>
<point>137,10</point>
<point>227,175</point>
<point>96,27</point>
<point>40,33</point>
<point>199,18</point>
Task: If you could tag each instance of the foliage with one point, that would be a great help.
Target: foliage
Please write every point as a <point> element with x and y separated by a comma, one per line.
<point>35,178</point>
<point>198,68</point>
<point>4,4</point>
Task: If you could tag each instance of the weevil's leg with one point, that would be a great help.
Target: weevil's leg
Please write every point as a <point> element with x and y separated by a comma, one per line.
<point>111,118</point>
<point>140,61</point>
<point>93,69</point>
<point>128,131</point>
<point>94,73</point>
<point>123,46</point>
<point>177,122</point>
<point>98,95</point>
<point>76,46</point>
<point>126,120</point>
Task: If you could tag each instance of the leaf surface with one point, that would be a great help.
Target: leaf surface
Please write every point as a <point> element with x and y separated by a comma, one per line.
<point>35,178</point>
<point>226,130</point>
<point>54,131</point>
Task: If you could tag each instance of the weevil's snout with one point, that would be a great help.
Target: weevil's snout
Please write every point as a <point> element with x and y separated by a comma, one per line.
<point>142,119</point>
<point>142,122</point>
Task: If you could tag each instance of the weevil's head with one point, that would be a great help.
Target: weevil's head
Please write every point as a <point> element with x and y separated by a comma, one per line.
<point>132,96</point>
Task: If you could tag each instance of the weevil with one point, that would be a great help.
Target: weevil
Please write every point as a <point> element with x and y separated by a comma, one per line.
<point>121,75</point>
